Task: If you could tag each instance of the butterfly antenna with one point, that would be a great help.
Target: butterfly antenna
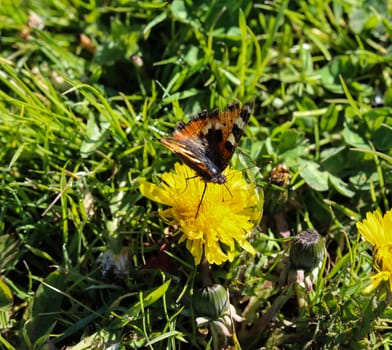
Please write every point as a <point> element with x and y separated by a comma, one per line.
<point>201,200</point>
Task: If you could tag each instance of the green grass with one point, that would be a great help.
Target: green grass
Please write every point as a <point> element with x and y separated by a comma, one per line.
<point>78,131</point>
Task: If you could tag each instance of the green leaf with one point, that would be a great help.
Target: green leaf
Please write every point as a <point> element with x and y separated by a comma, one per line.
<point>96,134</point>
<point>329,120</point>
<point>158,19</point>
<point>379,123</point>
<point>181,95</point>
<point>353,137</point>
<point>40,253</point>
<point>291,146</point>
<point>334,159</point>
<point>6,298</point>
<point>46,306</point>
<point>358,20</point>
<point>363,179</point>
<point>382,138</point>
<point>341,186</point>
<point>147,300</point>
<point>313,176</point>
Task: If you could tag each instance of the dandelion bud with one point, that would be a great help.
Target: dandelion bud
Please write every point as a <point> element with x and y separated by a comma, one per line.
<point>307,250</point>
<point>278,193</point>
<point>280,176</point>
<point>211,301</point>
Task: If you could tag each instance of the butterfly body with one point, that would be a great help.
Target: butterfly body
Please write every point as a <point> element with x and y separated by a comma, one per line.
<point>207,142</point>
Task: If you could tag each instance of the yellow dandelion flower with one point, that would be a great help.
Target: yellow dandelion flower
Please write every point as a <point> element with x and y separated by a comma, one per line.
<point>225,216</point>
<point>377,230</point>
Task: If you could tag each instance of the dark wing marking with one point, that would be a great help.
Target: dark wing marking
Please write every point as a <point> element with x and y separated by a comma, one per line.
<point>226,131</point>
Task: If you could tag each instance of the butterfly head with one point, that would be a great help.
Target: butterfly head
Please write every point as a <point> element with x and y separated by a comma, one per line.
<point>217,178</point>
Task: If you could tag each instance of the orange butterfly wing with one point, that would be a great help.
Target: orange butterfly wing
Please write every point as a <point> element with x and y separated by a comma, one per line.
<point>207,142</point>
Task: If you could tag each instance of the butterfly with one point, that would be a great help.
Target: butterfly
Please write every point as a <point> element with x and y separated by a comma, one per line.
<point>208,141</point>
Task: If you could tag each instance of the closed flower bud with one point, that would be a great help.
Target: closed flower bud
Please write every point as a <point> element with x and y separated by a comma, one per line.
<point>307,250</point>
<point>211,301</point>
<point>277,194</point>
<point>280,176</point>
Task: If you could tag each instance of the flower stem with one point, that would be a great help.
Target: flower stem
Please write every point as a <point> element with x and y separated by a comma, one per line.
<point>205,272</point>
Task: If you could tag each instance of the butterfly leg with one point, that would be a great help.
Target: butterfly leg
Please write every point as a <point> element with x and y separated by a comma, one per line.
<point>201,200</point>
<point>228,190</point>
